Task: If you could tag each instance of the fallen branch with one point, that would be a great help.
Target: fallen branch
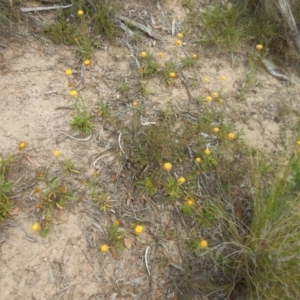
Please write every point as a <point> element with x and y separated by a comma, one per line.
<point>139,26</point>
<point>32,9</point>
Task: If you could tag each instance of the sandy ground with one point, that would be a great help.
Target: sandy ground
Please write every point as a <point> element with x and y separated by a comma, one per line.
<point>67,264</point>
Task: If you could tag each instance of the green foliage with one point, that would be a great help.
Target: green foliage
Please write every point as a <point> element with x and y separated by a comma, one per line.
<point>262,259</point>
<point>61,33</point>
<point>81,31</point>
<point>5,188</point>
<point>223,27</point>
<point>172,188</point>
<point>69,167</point>
<point>209,214</point>
<point>148,185</point>
<point>231,26</point>
<point>103,110</point>
<point>123,87</point>
<point>149,66</point>
<point>54,195</point>
<point>187,210</point>
<point>116,236</point>
<point>83,119</point>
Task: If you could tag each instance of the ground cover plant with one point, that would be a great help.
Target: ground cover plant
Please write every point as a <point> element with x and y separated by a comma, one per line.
<point>179,171</point>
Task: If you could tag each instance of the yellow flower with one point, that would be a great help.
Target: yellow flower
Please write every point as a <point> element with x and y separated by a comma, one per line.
<point>189,202</point>
<point>22,145</point>
<point>104,248</point>
<point>259,47</point>
<point>198,159</point>
<point>178,43</point>
<point>36,227</point>
<point>167,166</point>
<point>117,223</point>
<point>138,229</point>
<point>63,188</point>
<point>298,143</point>
<point>230,136</point>
<point>87,62</point>
<point>207,151</point>
<point>172,74</point>
<point>205,79</point>
<point>68,72</point>
<point>73,93</point>
<point>208,98</point>
<point>160,54</point>
<point>223,78</point>
<point>135,103</point>
<point>179,35</point>
<point>216,129</point>
<point>37,190</point>
<point>143,54</point>
<point>56,153</point>
<point>203,244</point>
<point>181,180</point>
<point>194,56</point>
<point>80,13</point>
<point>215,95</point>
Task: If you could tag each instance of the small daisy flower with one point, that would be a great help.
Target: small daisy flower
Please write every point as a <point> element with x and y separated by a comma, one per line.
<point>63,188</point>
<point>56,153</point>
<point>205,79</point>
<point>181,180</point>
<point>223,78</point>
<point>138,229</point>
<point>259,47</point>
<point>194,56</point>
<point>80,13</point>
<point>198,159</point>
<point>36,227</point>
<point>87,62</point>
<point>172,75</point>
<point>216,129</point>
<point>68,72</point>
<point>231,136</point>
<point>215,95</point>
<point>37,190</point>
<point>168,166</point>
<point>22,145</point>
<point>160,54</point>
<point>189,202</point>
<point>134,103</point>
<point>117,223</point>
<point>298,143</point>
<point>203,244</point>
<point>178,43</point>
<point>208,98</point>
<point>143,54</point>
<point>73,93</point>
<point>104,248</point>
<point>179,35</point>
<point>207,152</point>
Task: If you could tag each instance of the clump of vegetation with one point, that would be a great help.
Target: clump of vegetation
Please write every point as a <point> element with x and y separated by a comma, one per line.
<point>82,23</point>
<point>240,23</point>
<point>51,195</point>
<point>82,121</point>
<point>6,187</point>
